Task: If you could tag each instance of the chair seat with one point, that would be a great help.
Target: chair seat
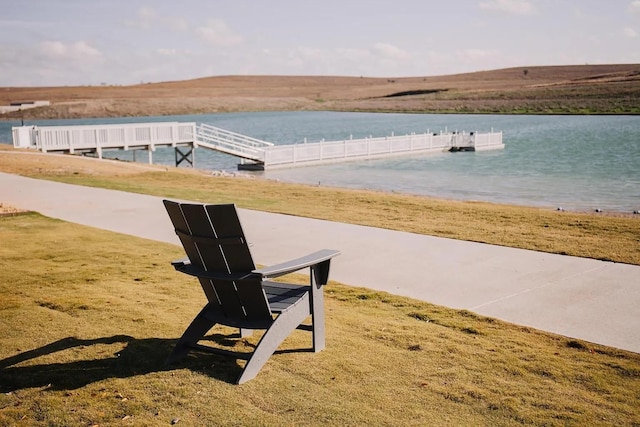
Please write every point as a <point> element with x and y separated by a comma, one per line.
<point>283,295</point>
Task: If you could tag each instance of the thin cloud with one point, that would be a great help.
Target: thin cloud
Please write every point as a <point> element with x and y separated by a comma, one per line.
<point>352,53</point>
<point>390,51</point>
<point>634,8</point>
<point>147,19</point>
<point>79,50</point>
<point>144,20</point>
<point>178,24</point>
<point>52,63</point>
<point>477,54</point>
<point>166,52</point>
<point>218,33</point>
<point>515,7</point>
<point>630,32</point>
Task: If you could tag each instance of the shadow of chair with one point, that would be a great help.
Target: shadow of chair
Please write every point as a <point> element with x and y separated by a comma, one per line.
<point>130,357</point>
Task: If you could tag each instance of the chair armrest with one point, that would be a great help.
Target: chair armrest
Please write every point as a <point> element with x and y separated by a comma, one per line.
<point>297,264</point>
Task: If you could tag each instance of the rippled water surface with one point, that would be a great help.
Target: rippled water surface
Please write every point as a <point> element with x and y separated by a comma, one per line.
<point>577,162</point>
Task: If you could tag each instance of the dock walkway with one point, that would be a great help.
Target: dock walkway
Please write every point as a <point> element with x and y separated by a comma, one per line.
<point>255,154</point>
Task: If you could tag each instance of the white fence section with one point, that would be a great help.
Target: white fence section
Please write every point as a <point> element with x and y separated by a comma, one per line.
<point>231,143</point>
<point>95,138</point>
<point>487,141</point>
<point>24,136</point>
<point>368,148</point>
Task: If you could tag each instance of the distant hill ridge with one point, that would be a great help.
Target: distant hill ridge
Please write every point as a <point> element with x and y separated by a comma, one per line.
<point>576,89</point>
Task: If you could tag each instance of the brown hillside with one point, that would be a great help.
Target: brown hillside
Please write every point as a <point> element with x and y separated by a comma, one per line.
<point>553,89</point>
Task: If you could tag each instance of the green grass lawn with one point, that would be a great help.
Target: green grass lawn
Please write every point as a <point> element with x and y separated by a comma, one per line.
<point>87,318</point>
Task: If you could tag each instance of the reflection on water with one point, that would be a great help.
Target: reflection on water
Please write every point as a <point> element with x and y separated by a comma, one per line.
<point>577,162</point>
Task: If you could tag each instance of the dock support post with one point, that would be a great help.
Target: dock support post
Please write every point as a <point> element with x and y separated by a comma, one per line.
<point>188,156</point>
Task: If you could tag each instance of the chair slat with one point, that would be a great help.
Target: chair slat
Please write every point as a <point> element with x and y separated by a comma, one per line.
<point>229,299</point>
<point>197,219</point>
<point>209,291</point>
<point>253,299</point>
<point>182,229</point>
<point>227,225</point>
<point>180,225</point>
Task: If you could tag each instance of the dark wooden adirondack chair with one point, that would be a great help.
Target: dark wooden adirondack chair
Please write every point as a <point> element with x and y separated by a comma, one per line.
<point>238,294</point>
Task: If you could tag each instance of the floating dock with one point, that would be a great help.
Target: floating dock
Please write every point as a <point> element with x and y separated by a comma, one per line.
<point>377,147</point>
<point>255,154</point>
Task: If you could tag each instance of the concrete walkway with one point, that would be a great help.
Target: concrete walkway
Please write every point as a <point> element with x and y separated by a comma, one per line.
<point>581,298</point>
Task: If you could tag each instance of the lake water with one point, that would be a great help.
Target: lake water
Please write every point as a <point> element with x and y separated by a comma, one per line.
<point>574,162</point>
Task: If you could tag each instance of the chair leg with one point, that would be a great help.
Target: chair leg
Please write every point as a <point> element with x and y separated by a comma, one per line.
<point>317,312</point>
<point>200,325</point>
<point>282,326</point>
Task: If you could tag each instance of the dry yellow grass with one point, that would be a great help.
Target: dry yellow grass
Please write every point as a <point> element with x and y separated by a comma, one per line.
<point>88,317</point>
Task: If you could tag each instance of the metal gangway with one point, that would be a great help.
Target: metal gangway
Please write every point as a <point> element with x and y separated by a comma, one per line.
<point>235,144</point>
<point>255,154</point>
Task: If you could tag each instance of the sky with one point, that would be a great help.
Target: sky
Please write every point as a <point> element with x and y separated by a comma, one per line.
<point>121,42</point>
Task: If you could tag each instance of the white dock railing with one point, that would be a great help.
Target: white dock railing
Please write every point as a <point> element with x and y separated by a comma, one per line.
<point>231,142</point>
<point>368,148</point>
<point>487,141</point>
<point>97,137</point>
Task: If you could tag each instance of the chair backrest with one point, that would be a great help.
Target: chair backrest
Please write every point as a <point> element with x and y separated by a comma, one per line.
<point>214,241</point>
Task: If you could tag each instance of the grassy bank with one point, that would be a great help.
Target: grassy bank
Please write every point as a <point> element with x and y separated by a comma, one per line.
<point>606,237</point>
<point>88,316</point>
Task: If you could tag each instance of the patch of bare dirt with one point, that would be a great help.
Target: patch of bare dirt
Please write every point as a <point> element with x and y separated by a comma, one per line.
<point>9,210</point>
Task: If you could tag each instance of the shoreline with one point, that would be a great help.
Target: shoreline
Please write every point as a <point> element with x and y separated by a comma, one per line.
<point>581,234</point>
<point>243,175</point>
<point>7,118</point>
<point>545,193</point>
